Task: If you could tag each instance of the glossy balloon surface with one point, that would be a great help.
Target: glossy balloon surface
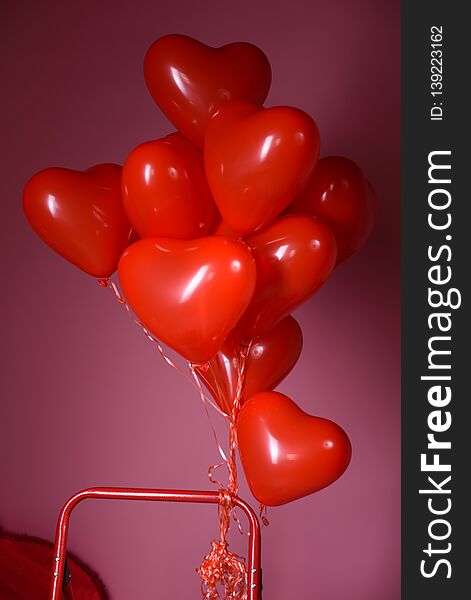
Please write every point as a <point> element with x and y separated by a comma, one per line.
<point>189,293</point>
<point>339,194</point>
<point>222,228</point>
<point>189,80</point>
<point>165,192</point>
<point>294,256</point>
<point>286,453</point>
<point>80,215</point>
<point>257,161</point>
<point>271,358</point>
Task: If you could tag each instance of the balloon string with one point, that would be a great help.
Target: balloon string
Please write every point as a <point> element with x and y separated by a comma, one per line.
<point>219,567</point>
<point>109,283</point>
<point>204,400</point>
<point>229,463</point>
<point>242,355</point>
<point>263,511</point>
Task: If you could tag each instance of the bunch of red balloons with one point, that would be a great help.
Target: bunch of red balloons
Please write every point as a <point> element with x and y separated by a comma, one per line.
<point>218,232</point>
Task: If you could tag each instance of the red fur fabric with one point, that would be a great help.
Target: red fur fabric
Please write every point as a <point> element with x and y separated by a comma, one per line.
<point>26,566</point>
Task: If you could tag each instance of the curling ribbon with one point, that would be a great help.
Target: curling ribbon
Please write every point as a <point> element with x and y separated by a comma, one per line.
<point>262,511</point>
<point>109,283</point>
<point>220,567</point>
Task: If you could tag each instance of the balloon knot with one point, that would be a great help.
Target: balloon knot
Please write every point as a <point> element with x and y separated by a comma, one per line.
<point>203,367</point>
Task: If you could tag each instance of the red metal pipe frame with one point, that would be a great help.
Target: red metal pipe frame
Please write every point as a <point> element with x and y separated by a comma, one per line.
<point>110,493</point>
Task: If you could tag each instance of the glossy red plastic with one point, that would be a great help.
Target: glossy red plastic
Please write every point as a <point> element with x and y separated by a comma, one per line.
<point>189,293</point>
<point>271,358</point>
<point>189,80</point>
<point>80,215</point>
<point>339,194</point>
<point>286,453</point>
<point>258,160</point>
<point>165,192</point>
<point>294,256</point>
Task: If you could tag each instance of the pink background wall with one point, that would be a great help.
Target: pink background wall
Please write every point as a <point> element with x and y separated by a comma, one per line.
<point>74,95</point>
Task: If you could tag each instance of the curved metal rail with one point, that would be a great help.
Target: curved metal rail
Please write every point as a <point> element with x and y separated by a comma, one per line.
<point>61,588</point>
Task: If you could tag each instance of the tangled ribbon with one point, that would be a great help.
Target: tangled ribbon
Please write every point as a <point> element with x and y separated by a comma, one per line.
<point>220,568</point>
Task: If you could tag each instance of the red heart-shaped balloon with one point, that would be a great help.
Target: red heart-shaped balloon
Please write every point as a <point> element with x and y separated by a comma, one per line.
<point>339,194</point>
<point>294,256</point>
<point>165,192</point>
<point>258,160</point>
<point>189,293</point>
<point>80,215</point>
<point>287,454</point>
<point>189,80</point>
<point>222,228</point>
<point>271,358</point>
